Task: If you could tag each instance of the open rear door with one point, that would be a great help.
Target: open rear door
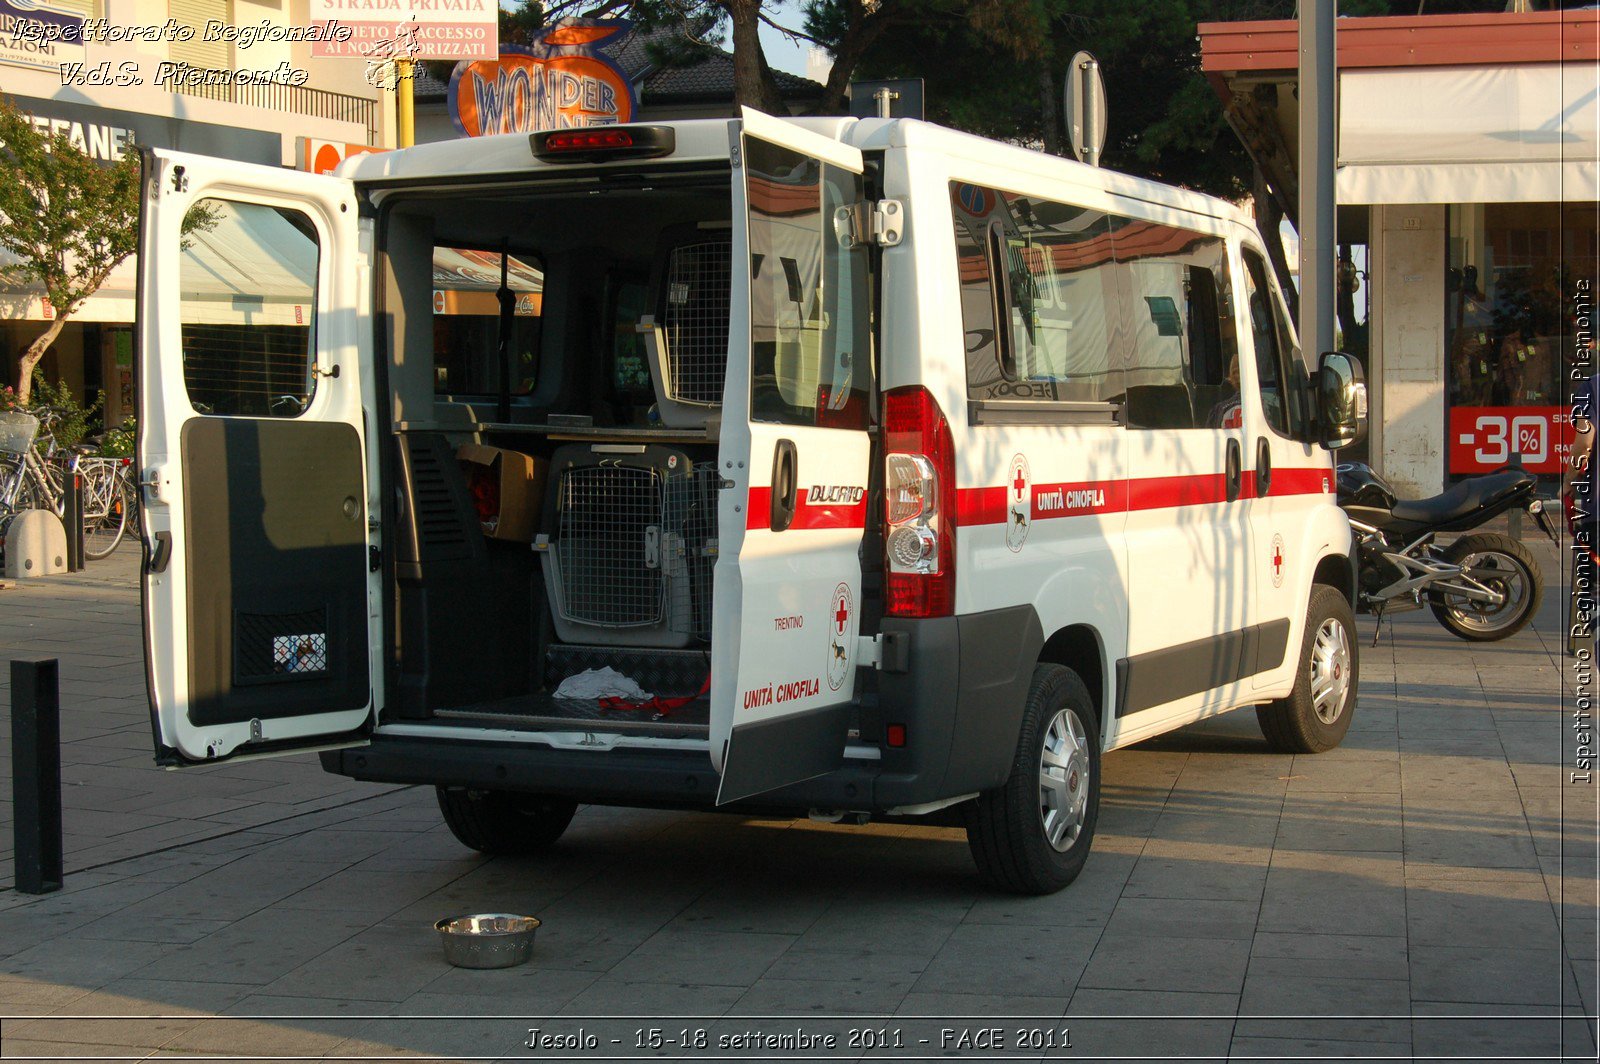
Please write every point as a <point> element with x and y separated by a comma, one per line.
<point>794,453</point>
<point>258,599</point>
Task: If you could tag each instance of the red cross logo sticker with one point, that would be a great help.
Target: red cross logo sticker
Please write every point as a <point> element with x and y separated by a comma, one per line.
<point>1018,482</point>
<point>1277,561</point>
<point>841,614</point>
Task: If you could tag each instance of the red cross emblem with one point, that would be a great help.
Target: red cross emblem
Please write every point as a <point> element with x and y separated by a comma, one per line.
<point>841,615</point>
<point>1277,560</point>
<point>1019,483</point>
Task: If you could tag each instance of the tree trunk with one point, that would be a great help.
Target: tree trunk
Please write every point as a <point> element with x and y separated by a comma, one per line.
<point>860,36</point>
<point>1048,96</point>
<point>1269,218</point>
<point>30,358</point>
<point>753,83</point>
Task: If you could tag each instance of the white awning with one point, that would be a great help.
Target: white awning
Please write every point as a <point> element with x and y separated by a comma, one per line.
<point>1524,133</point>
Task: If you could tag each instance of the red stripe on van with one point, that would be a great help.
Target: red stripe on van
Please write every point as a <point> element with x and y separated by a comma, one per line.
<point>1079,500</point>
<point>760,515</point>
<point>987,506</point>
<point>980,506</point>
<point>1161,493</point>
<point>1300,482</point>
<point>808,514</point>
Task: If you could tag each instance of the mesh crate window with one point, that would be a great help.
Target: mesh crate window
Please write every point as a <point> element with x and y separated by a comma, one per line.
<point>248,275</point>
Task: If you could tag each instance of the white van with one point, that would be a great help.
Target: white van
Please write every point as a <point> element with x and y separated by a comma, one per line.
<point>859,468</point>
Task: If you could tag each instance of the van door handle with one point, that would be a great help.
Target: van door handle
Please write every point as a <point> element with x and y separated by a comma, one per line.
<point>785,485</point>
<point>1234,478</point>
<point>160,553</point>
<point>1263,467</point>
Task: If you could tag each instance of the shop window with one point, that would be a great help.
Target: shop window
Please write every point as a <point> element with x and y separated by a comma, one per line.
<point>248,280</point>
<point>1513,281</point>
<point>466,320</point>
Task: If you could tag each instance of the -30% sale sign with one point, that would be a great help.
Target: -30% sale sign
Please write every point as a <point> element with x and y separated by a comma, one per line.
<point>1484,438</point>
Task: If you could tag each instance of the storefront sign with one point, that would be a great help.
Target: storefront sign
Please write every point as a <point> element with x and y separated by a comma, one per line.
<point>37,33</point>
<point>1483,438</point>
<point>106,134</point>
<point>322,156</point>
<point>560,81</point>
<point>409,29</point>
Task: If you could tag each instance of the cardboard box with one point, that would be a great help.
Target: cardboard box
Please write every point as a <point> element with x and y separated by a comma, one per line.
<point>507,487</point>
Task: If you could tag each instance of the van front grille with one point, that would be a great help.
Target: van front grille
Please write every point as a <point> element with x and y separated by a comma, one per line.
<point>609,546</point>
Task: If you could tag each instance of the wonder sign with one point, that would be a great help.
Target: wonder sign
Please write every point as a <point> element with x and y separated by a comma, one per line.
<point>560,81</point>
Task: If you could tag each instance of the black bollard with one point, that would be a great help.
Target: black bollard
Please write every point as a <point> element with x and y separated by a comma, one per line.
<point>36,774</point>
<point>72,518</point>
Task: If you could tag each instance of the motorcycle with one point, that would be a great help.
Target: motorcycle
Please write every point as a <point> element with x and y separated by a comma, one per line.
<point>1481,587</point>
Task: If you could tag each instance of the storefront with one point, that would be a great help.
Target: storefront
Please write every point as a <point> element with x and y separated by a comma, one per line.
<point>1513,277</point>
<point>1469,167</point>
<point>94,352</point>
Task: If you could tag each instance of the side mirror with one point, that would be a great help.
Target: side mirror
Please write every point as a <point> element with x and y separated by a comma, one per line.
<point>1341,400</point>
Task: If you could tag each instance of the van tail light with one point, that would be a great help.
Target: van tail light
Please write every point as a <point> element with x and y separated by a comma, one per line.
<point>919,500</point>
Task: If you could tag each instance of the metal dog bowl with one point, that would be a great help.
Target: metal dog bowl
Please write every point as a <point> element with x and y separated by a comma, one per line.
<point>487,940</point>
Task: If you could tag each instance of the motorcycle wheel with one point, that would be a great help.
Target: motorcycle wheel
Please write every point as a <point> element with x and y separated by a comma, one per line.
<point>1499,562</point>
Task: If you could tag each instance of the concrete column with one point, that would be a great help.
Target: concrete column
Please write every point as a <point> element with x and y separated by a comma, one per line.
<point>1408,365</point>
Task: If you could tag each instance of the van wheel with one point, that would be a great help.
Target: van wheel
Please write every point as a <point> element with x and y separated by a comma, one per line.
<point>1316,714</point>
<point>501,822</point>
<point>1032,835</point>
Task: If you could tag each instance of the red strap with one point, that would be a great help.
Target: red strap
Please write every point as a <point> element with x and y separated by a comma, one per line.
<point>662,706</point>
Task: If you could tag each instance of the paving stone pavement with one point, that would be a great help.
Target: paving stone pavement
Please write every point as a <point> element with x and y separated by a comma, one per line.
<point>1427,889</point>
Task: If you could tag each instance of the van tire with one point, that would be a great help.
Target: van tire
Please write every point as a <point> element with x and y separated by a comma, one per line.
<point>1294,724</point>
<point>1006,826</point>
<point>502,822</point>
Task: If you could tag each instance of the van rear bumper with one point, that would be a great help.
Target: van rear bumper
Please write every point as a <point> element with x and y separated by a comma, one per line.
<point>959,702</point>
<point>613,777</point>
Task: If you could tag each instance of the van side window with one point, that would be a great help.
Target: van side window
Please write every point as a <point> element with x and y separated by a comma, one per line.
<point>1041,332</point>
<point>1183,366</point>
<point>466,321</point>
<point>809,329</point>
<point>248,280</point>
<point>1276,357</point>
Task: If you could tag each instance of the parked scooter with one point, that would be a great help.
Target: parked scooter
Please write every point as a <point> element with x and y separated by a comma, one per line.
<point>1481,587</point>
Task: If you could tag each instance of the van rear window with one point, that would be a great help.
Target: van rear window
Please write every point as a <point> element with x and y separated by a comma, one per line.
<point>248,279</point>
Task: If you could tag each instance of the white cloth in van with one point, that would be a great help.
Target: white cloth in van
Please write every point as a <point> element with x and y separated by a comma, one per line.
<point>601,683</point>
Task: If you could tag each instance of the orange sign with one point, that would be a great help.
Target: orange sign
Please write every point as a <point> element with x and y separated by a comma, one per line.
<point>321,156</point>
<point>560,81</point>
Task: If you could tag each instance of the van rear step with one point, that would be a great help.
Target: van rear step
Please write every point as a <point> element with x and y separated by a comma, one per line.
<point>544,713</point>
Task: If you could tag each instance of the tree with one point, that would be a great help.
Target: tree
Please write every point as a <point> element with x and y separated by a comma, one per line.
<point>68,220</point>
<point>847,29</point>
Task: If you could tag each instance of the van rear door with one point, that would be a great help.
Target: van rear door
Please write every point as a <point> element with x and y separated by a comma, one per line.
<point>259,599</point>
<point>794,452</point>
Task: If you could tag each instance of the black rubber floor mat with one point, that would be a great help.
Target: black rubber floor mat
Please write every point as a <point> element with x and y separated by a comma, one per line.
<point>667,673</point>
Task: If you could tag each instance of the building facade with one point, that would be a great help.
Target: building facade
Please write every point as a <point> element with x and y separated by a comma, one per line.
<point>135,80</point>
<point>1468,176</point>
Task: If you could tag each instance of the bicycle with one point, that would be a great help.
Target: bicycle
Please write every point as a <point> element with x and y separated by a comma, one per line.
<point>34,478</point>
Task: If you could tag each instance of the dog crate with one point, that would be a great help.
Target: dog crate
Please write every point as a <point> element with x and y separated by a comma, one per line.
<point>630,545</point>
<point>687,335</point>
